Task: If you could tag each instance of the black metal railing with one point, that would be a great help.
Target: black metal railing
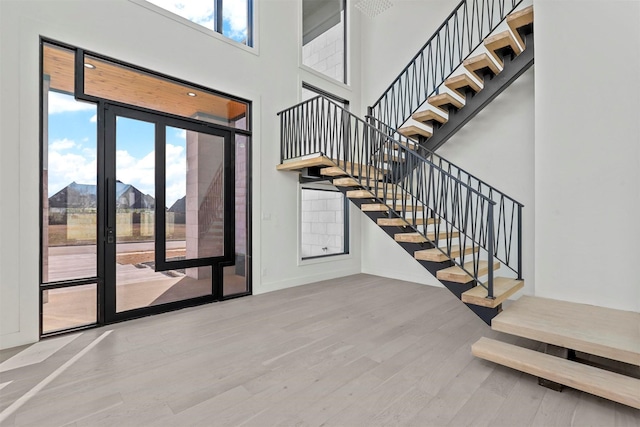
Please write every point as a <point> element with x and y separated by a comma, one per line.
<point>458,36</point>
<point>464,211</point>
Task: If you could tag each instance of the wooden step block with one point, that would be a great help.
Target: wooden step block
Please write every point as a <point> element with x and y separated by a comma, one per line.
<point>601,331</point>
<point>305,162</point>
<point>419,238</point>
<point>346,182</point>
<point>338,171</point>
<point>411,131</point>
<point>518,20</point>
<point>503,288</point>
<point>366,194</point>
<point>405,142</point>
<point>481,62</point>
<point>408,207</point>
<point>360,194</point>
<point>401,222</point>
<point>374,207</point>
<point>500,41</point>
<point>444,100</point>
<point>458,275</point>
<point>430,117</point>
<point>609,385</point>
<point>462,82</point>
<point>332,171</point>
<point>436,255</point>
<point>393,157</point>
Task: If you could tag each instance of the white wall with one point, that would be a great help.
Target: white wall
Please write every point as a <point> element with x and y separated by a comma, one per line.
<point>270,76</point>
<point>497,145</point>
<point>587,152</point>
<point>392,38</point>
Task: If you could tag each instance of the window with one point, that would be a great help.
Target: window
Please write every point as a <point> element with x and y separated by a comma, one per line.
<point>324,37</point>
<point>324,221</point>
<point>231,18</point>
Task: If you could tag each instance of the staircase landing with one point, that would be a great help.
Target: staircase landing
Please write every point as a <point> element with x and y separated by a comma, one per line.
<point>604,332</point>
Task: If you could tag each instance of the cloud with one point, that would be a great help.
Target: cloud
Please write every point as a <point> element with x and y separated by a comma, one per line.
<point>235,13</point>
<point>61,103</point>
<point>62,144</point>
<point>64,168</point>
<point>198,11</point>
<point>94,118</point>
<point>141,172</point>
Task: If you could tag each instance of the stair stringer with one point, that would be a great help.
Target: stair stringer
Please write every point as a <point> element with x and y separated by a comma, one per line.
<point>514,67</point>
<point>457,289</point>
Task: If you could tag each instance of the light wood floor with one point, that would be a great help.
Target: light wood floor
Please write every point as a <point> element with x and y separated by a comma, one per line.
<point>356,351</point>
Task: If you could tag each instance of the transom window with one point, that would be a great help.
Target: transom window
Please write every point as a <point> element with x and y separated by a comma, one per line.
<point>231,18</point>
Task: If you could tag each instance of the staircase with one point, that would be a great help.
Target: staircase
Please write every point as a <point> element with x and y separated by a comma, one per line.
<point>458,227</point>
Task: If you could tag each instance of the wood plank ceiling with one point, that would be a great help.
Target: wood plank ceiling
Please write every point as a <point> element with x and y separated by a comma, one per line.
<point>118,83</point>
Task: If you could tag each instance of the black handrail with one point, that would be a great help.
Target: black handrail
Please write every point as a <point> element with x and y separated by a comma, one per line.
<point>422,190</point>
<point>459,35</point>
<point>435,158</point>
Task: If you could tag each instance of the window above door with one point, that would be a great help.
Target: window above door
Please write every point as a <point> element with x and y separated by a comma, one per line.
<point>232,19</point>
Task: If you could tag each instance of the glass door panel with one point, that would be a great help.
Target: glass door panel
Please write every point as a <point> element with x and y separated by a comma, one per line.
<point>194,191</point>
<point>192,165</point>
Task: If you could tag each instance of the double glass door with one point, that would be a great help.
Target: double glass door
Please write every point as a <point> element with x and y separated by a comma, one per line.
<point>168,212</point>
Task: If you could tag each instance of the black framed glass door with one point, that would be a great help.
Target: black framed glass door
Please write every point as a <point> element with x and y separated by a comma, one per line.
<point>168,212</point>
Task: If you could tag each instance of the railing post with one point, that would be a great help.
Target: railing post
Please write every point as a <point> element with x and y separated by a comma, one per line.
<point>519,242</point>
<point>281,138</point>
<point>491,237</point>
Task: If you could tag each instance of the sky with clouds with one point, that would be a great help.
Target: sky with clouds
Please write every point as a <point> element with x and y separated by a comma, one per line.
<point>72,154</point>
<point>234,14</point>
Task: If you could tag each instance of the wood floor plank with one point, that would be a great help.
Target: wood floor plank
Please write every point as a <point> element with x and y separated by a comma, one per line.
<point>359,350</point>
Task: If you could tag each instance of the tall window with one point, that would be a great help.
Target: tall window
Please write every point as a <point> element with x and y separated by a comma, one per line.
<point>231,18</point>
<point>324,222</point>
<point>324,38</point>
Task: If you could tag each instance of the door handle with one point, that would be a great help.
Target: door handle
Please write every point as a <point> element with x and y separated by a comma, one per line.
<point>110,232</point>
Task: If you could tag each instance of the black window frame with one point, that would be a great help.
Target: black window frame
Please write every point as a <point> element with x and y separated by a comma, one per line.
<point>345,223</point>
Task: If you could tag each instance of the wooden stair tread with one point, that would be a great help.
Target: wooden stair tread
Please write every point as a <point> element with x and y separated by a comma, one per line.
<point>413,130</point>
<point>419,238</point>
<point>518,20</point>
<point>396,157</point>
<point>437,255</point>
<point>409,208</point>
<point>605,332</point>
<point>346,182</point>
<point>340,172</point>
<point>366,194</point>
<point>458,275</point>
<point>401,222</point>
<point>461,81</point>
<point>444,99</point>
<point>500,41</point>
<point>503,288</point>
<point>429,116</point>
<point>477,63</point>
<point>609,385</point>
<point>305,162</point>
<point>374,207</point>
